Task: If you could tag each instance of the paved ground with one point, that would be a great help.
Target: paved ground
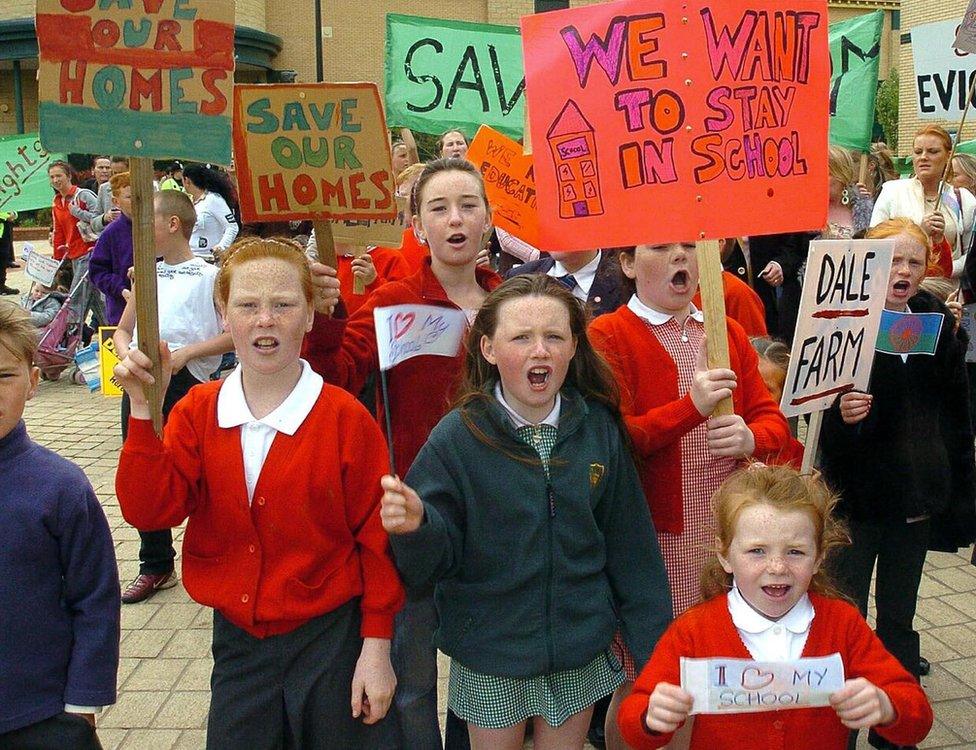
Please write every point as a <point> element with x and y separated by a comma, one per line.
<point>165,666</point>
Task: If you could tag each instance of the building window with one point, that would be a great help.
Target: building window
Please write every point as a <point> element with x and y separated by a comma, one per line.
<point>541,6</point>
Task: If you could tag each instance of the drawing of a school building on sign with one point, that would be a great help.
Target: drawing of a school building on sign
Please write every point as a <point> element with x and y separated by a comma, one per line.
<point>573,145</point>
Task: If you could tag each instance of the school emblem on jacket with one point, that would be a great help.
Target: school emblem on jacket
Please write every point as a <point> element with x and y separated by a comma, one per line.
<point>596,474</point>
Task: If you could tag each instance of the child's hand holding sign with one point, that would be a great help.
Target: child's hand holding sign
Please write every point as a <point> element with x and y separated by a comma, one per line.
<point>402,511</point>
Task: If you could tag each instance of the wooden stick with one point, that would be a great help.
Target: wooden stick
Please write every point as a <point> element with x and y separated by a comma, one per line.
<point>713,307</point>
<point>144,270</point>
<point>955,143</point>
<point>358,286</point>
<point>325,243</point>
<point>812,442</point>
<point>526,133</point>
<point>862,176</point>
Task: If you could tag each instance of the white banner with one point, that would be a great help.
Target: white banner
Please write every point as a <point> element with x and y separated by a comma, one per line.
<point>40,268</point>
<point>942,73</point>
<point>844,291</point>
<point>405,331</point>
<point>735,686</point>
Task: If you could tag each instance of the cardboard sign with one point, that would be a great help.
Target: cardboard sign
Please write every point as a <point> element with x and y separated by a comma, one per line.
<point>387,233</point>
<point>735,686</point>
<point>966,34</point>
<point>312,151</point>
<point>509,182</point>
<point>909,333</point>
<point>405,331</point>
<point>40,268</point>
<point>855,52</point>
<point>443,75</point>
<point>711,113</point>
<point>107,360</point>
<point>23,173</point>
<point>942,75</point>
<point>146,79</point>
<point>844,291</point>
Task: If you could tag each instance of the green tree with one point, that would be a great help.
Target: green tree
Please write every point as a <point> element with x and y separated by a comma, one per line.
<point>886,109</point>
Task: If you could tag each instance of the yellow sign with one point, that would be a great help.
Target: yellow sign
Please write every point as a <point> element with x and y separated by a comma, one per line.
<point>107,360</point>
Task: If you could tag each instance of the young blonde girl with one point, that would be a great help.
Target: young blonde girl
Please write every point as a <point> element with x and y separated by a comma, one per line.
<point>524,509</point>
<point>768,599</point>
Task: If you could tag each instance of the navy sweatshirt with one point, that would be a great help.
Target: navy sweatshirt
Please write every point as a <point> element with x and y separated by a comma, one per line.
<point>59,587</point>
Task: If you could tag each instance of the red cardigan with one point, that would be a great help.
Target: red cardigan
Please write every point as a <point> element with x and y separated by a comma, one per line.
<point>656,418</point>
<point>421,389</point>
<point>742,304</point>
<point>66,229</point>
<point>390,266</point>
<point>707,631</point>
<point>311,539</point>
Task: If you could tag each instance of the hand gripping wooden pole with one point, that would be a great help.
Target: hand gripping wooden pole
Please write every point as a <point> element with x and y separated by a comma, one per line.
<point>325,243</point>
<point>713,307</point>
<point>144,281</point>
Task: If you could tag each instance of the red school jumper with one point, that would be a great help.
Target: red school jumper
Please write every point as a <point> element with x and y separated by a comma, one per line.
<point>66,229</point>
<point>344,352</point>
<point>708,631</point>
<point>656,418</point>
<point>310,540</point>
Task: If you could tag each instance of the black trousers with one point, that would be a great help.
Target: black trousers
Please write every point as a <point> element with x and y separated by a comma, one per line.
<point>60,732</point>
<point>290,691</point>
<point>899,549</point>
<point>156,553</point>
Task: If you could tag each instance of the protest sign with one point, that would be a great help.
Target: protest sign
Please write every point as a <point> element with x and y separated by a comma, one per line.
<point>942,74</point>
<point>385,232</point>
<point>509,183</point>
<point>151,79</point>
<point>909,333</point>
<point>108,358</point>
<point>966,34</point>
<point>733,686</point>
<point>855,53</point>
<point>40,268</point>
<point>23,173</point>
<point>844,291</point>
<point>315,151</point>
<point>443,75</point>
<point>712,113</point>
<point>405,331</point>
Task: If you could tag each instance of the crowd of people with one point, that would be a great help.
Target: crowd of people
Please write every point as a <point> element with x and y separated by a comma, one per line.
<point>557,507</point>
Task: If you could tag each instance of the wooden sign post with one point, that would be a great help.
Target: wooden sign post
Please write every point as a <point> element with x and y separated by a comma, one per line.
<point>713,308</point>
<point>144,279</point>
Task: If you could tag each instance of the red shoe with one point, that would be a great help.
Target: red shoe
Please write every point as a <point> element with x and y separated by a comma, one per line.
<point>145,585</point>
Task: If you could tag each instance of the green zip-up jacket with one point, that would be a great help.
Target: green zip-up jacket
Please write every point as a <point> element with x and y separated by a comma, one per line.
<point>534,576</point>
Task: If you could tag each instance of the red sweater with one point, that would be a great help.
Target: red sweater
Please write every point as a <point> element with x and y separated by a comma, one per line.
<point>390,266</point>
<point>421,389</point>
<point>708,631</point>
<point>742,304</point>
<point>656,418</point>
<point>66,228</point>
<point>412,251</point>
<point>310,541</point>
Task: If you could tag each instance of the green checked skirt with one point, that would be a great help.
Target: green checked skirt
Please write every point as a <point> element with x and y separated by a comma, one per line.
<point>497,702</point>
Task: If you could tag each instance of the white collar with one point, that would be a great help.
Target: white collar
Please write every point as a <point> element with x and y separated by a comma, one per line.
<point>518,420</point>
<point>744,617</point>
<point>232,409</point>
<point>558,269</point>
<point>657,318</point>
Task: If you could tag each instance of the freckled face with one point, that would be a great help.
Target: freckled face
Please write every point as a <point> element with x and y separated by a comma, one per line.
<point>666,276</point>
<point>907,271</point>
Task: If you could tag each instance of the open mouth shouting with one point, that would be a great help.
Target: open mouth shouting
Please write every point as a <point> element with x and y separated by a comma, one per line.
<point>539,378</point>
<point>457,240</point>
<point>266,344</point>
<point>776,590</point>
<point>680,282</point>
<point>901,289</point>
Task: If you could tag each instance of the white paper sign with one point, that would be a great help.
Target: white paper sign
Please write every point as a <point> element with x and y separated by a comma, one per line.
<point>733,686</point>
<point>942,74</point>
<point>39,267</point>
<point>844,291</point>
<point>405,331</point>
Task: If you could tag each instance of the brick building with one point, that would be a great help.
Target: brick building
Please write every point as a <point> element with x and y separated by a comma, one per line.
<point>275,40</point>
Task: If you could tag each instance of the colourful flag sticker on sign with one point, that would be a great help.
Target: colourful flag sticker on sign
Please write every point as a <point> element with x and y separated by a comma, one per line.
<point>909,333</point>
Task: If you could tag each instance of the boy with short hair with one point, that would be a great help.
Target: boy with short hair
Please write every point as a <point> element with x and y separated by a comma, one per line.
<point>189,321</point>
<point>59,590</point>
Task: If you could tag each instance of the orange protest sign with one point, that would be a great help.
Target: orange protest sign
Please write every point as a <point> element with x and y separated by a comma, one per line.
<point>312,151</point>
<point>509,182</point>
<point>696,120</point>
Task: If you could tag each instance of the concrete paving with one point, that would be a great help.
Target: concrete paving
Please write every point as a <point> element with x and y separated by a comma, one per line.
<point>164,672</point>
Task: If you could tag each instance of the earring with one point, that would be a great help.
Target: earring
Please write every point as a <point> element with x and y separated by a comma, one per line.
<point>845,197</point>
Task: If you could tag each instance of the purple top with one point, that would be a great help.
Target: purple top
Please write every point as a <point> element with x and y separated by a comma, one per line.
<point>109,265</point>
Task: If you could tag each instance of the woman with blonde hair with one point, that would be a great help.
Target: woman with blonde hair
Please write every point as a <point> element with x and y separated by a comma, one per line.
<point>850,205</point>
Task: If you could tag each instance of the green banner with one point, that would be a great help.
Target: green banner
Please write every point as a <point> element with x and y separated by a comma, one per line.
<point>23,173</point>
<point>855,52</point>
<point>443,75</point>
